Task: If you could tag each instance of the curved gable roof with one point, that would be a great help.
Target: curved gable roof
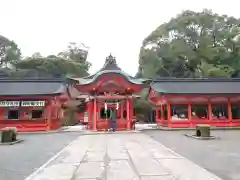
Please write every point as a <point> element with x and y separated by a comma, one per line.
<point>85,81</point>
<point>109,67</point>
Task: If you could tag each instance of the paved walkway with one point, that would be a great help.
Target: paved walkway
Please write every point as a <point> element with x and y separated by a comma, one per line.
<point>82,128</point>
<point>119,157</point>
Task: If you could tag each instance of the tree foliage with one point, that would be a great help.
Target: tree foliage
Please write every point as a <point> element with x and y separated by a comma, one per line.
<point>77,53</point>
<point>72,62</point>
<point>67,63</point>
<point>9,51</point>
<point>193,44</point>
<point>56,66</point>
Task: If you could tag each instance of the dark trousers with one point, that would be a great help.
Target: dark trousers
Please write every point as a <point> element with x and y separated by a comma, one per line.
<point>133,125</point>
<point>113,125</point>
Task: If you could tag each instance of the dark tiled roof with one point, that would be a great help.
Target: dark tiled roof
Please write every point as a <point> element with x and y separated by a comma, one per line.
<point>196,86</point>
<point>110,67</point>
<point>110,64</point>
<point>15,87</point>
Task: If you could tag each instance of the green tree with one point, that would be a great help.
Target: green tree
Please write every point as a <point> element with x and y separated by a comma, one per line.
<point>77,53</point>
<point>37,55</point>
<point>183,46</point>
<point>71,62</point>
<point>56,66</point>
<point>9,52</point>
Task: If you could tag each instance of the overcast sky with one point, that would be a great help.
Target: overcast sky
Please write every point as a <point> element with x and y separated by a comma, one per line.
<point>116,26</point>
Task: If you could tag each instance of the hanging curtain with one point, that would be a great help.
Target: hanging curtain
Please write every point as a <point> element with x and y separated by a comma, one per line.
<point>105,106</point>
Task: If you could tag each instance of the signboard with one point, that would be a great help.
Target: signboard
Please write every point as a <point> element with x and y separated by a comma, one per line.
<point>32,103</point>
<point>21,103</point>
<point>9,103</point>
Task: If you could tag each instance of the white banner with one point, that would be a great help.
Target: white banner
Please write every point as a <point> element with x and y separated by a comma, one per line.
<point>9,103</point>
<point>105,106</point>
<point>32,103</point>
<point>23,103</point>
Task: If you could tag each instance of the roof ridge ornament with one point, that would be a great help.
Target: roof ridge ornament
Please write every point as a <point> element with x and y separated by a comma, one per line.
<point>110,59</point>
<point>110,63</point>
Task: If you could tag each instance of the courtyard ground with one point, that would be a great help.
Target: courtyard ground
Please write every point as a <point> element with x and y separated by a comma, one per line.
<point>19,160</point>
<point>119,156</point>
<point>219,156</point>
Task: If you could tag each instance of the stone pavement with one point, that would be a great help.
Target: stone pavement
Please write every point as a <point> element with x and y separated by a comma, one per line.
<point>119,157</point>
<point>82,128</point>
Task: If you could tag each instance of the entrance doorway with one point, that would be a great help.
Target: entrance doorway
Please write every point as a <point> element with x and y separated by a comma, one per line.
<point>104,116</point>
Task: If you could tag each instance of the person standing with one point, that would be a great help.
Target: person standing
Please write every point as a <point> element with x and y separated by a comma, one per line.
<point>113,119</point>
<point>134,124</point>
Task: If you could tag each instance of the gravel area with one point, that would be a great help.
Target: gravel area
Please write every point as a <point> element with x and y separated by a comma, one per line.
<point>20,160</point>
<point>220,156</point>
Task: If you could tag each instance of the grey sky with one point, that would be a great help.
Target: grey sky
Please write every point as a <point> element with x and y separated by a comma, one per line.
<point>116,26</point>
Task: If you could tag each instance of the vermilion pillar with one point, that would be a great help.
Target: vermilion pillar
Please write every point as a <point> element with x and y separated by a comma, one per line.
<point>189,112</point>
<point>128,115</point>
<point>24,114</point>
<point>156,114</point>
<point>1,114</point>
<point>131,111</point>
<point>162,113</point>
<point>209,111</point>
<point>49,115</point>
<point>121,110</point>
<point>169,112</point>
<point>94,120</point>
<point>158,120</point>
<point>229,111</point>
<point>89,110</point>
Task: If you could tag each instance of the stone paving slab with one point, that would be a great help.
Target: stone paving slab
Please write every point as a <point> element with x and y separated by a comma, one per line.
<point>121,169</point>
<point>119,157</point>
<point>89,170</point>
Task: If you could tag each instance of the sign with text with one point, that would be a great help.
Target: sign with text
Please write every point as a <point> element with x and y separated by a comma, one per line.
<point>21,103</point>
<point>32,103</point>
<point>9,103</point>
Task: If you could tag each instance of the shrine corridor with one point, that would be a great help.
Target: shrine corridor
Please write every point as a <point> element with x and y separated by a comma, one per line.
<point>119,156</point>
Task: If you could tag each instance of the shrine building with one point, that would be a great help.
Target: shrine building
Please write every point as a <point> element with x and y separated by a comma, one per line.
<point>187,102</point>
<point>109,88</point>
<point>31,104</point>
<point>36,104</point>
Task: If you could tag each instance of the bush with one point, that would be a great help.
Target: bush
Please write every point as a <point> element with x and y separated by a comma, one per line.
<point>142,108</point>
<point>8,134</point>
<point>69,118</point>
<point>71,108</point>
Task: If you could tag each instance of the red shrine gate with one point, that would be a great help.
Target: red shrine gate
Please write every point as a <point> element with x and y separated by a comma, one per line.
<point>99,111</point>
<point>108,88</point>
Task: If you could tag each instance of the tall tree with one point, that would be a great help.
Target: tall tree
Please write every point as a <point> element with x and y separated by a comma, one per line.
<point>37,55</point>
<point>56,66</point>
<point>9,51</point>
<point>77,53</point>
<point>183,46</point>
<point>71,62</point>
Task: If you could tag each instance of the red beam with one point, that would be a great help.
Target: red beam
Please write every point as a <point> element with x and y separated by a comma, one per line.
<point>114,97</point>
<point>166,96</point>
